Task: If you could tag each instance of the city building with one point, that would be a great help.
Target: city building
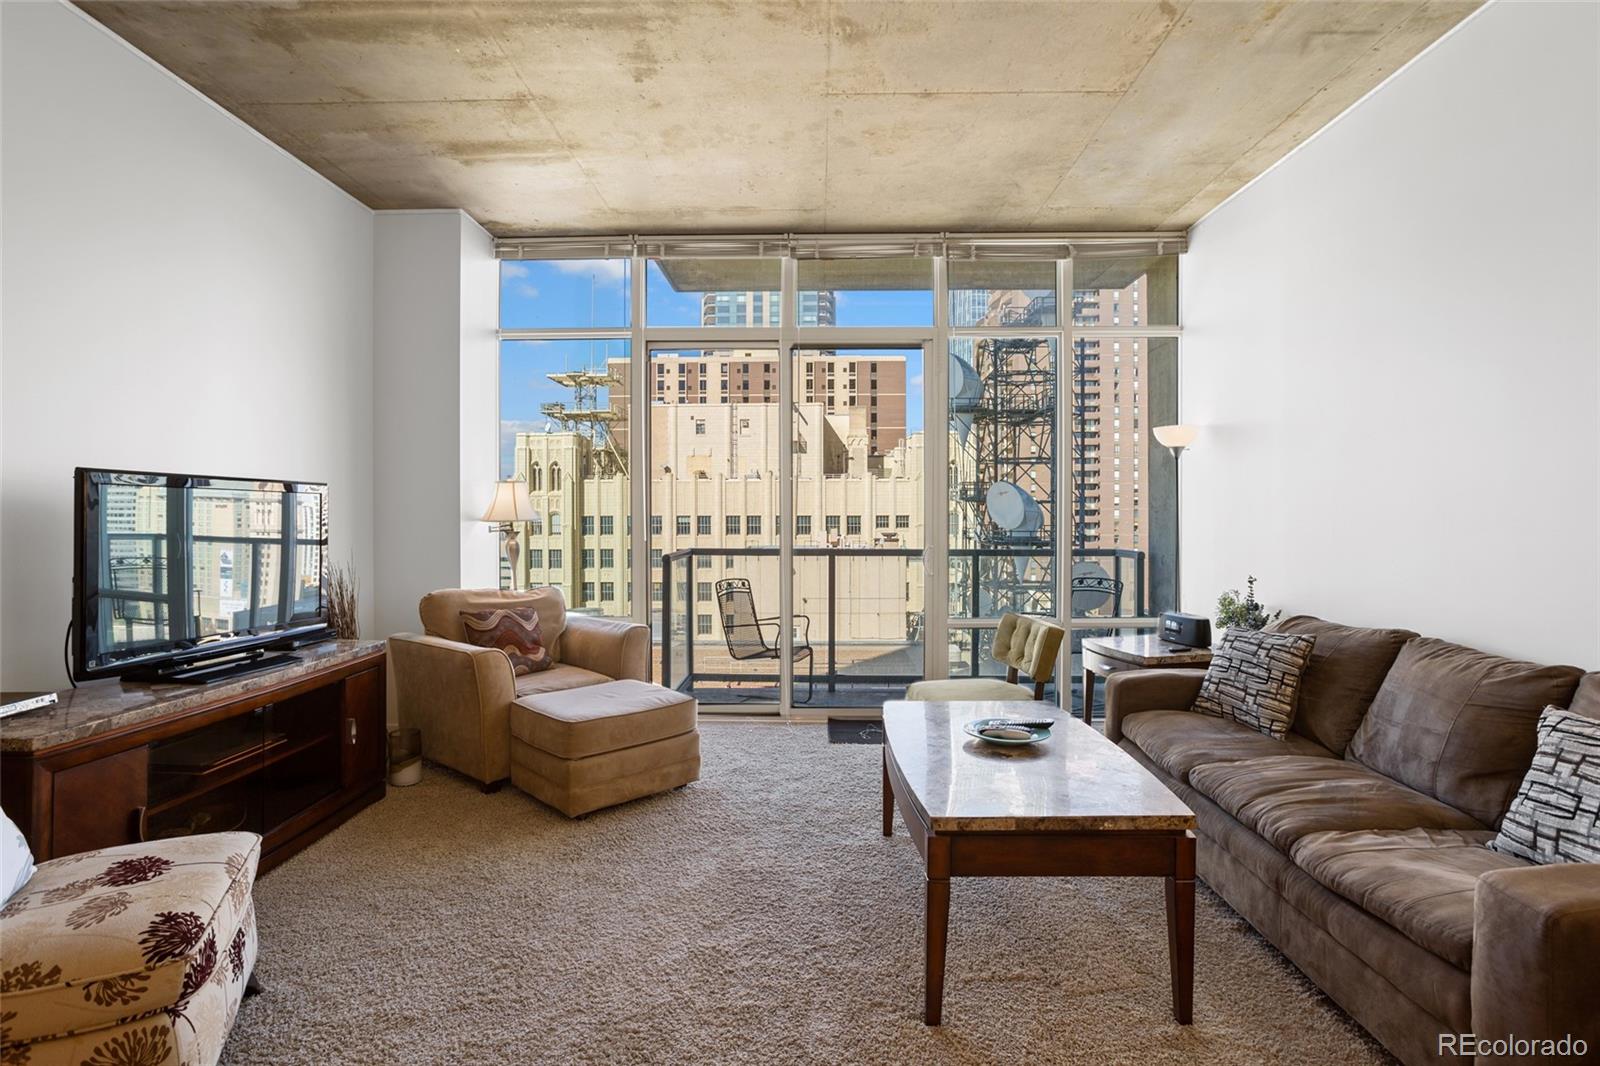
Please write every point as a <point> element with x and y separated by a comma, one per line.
<point>714,483</point>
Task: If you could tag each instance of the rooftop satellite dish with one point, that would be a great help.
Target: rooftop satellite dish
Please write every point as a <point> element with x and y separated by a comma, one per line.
<point>1012,509</point>
<point>1092,587</point>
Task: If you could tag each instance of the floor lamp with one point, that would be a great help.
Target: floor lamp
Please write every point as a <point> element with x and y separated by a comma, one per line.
<point>510,506</point>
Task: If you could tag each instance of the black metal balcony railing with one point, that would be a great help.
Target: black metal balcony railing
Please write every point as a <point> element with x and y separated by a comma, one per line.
<point>1127,568</point>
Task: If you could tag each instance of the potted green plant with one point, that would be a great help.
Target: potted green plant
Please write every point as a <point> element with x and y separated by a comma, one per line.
<point>1245,613</point>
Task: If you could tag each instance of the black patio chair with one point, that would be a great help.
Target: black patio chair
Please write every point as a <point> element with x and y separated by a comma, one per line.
<point>745,634</point>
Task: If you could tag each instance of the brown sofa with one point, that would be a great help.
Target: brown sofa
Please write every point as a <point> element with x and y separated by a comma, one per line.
<point>1356,844</point>
<point>459,695</point>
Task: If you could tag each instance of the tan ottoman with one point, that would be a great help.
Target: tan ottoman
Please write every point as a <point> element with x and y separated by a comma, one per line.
<point>585,748</point>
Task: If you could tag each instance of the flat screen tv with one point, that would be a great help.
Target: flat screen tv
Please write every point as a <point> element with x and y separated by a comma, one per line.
<point>179,577</point>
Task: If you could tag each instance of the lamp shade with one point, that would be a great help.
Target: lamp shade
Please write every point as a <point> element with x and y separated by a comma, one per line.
<point>1174,437</point>
<point>510,504</point>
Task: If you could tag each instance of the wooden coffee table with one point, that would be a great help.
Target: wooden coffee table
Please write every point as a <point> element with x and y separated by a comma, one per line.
<point>1075,805</point>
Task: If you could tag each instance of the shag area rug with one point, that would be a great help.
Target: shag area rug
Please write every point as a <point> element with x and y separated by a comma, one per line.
<point>756,916</point>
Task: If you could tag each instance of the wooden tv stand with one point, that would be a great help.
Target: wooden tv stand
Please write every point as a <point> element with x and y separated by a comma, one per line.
<point>288,754</point>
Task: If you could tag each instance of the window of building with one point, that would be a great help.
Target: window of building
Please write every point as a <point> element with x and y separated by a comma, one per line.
<point>535,478</point>
<point>608,525</point>
<point>608,591</point>
<point>655,525</point>
<point>880,521</point>
<point>852,525</point>
<point>702,625</point>
<point>702,525</point>
<point>683,525</point>
<point>588,557</point>
<point>555,522</point>
<point>830,523</point>
<point>902,521</point>
<point>586,525</point>
<point>655,557</point>
<point>752,524</point>
<point>802,525</point>
<point>608,558</point>
<point>655,592</point>
<point>702,590</point>
<point>588,592</point>
<point>555,558</point>
<point>536,558</point>
<point>702,562</point>
<point>555,477</point>
<point>731,523</point>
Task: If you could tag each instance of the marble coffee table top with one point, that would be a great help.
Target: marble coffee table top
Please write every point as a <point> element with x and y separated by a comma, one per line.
<point>1076,780</point>
<point>97,707</point>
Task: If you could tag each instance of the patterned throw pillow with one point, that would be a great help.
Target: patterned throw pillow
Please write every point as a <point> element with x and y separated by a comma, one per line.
<point>1254,679</point>
<point>1555,816</point>
<point>515,631</point>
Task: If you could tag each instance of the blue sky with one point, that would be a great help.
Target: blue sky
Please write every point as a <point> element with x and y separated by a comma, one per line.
<point>593,294</point>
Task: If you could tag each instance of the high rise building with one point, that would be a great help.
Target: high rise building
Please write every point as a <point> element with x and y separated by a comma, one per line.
<point>762,308</point>
<point>714,425</point>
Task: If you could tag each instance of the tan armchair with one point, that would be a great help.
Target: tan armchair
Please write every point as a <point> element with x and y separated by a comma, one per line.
<point>1027,646</point>
<point>459,695</point>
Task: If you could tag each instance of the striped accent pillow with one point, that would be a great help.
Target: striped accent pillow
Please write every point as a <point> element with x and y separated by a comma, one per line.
<point>1254,679</point>
<point>515,631</point>
<point>1556,814</point>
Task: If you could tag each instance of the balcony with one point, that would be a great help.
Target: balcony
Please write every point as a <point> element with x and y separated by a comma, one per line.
<point>865,633</point>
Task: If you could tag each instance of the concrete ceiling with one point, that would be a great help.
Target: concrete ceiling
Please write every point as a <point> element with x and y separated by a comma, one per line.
<point>666,116</point>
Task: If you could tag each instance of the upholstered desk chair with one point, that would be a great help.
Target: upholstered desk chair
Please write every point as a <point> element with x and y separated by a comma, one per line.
<point>1028,647</point>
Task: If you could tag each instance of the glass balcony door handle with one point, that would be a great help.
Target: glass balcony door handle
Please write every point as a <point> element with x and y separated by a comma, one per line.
<point>350,725</point>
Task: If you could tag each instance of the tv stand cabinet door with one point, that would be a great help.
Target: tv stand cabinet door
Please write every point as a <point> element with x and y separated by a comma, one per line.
<point>365,740</point>
<point>96,804</point>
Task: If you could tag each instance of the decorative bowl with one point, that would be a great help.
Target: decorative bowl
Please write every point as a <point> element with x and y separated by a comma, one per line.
<point>1006,731</point>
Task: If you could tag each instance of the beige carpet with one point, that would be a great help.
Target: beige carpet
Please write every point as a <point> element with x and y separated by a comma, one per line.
<point>755,916</point>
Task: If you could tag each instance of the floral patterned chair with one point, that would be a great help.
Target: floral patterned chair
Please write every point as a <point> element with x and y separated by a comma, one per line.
<point>135,955</point>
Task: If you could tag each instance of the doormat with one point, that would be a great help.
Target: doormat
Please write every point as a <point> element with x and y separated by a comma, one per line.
<point>854,731</point>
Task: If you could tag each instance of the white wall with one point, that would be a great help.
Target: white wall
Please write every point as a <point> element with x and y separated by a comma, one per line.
<point>179,295</point>
<point>435,379</point>
<point>1391,348</point>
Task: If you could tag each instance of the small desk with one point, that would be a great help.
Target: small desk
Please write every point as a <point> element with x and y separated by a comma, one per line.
<point>1142,651</point>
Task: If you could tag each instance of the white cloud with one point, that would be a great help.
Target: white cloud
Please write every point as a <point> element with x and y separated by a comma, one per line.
<point>915,382</point>
<point>510,268</point>
<point>604,269</point>
<point>528,290</point>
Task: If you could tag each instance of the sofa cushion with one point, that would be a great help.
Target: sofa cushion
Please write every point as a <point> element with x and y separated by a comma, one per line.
<point>103,936</point>
<point>1348,664</point>
<point>441,611</point>
<point>1421,882</point>
<point>558,679</point>
<point>577,723</point>
<point>1586,700</point>
<point>1286,797</point>
<point>1458,724</point>
<point>1254,679</point>
<point>1179,741</point>
<point>1555,816</point>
